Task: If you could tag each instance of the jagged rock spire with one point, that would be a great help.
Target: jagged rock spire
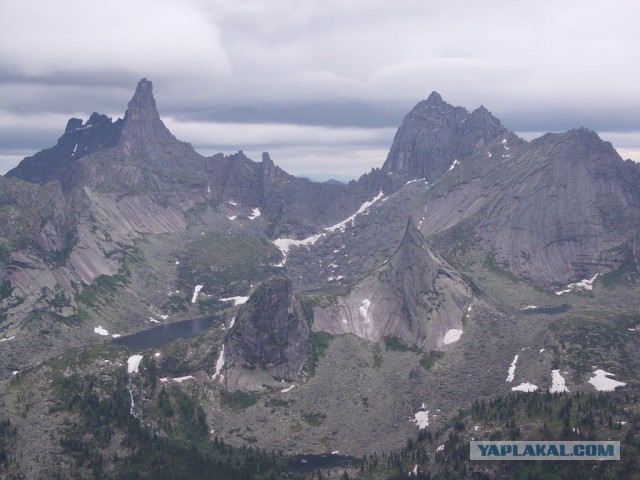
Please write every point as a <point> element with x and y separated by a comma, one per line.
<point>143,127</point>
<point>142,107</point>
<point>142,114</point>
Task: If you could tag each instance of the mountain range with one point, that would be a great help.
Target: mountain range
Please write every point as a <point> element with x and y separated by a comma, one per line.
<point>344,317</point>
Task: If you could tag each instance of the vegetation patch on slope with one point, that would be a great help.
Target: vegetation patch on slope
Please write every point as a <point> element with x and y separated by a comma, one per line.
<point>227,264</point>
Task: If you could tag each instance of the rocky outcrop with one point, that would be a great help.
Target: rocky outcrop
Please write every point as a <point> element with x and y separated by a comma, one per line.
<point>270,339</point>
<point>415,296</point>
<point>435,134</point>
<point>62,162</point>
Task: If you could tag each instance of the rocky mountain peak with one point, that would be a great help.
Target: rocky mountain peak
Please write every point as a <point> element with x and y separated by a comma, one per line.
<point>434,134</point>
<point>434,98</point>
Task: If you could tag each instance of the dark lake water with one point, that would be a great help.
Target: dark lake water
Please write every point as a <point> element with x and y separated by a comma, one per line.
<point>158,336</point>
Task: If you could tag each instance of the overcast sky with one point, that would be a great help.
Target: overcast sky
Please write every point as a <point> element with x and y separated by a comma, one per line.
<point>320,84</point>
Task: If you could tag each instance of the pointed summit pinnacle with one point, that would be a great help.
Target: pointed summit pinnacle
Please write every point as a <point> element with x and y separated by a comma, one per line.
<point>434,98</point>
<point>142,107</point>
<point>143,129</point>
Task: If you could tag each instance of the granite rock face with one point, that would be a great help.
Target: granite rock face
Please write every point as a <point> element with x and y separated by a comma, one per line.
<point>554,210</point>
<point>577,202</point>
<point>270,339</point>
<point>415,296</point>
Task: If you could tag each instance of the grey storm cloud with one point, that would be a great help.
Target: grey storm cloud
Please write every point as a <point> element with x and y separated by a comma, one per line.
<point>337,76</point>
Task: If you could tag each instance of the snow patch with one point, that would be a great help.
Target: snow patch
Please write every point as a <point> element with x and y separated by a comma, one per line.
<point>604,384</point>
<point>525,387</point>
<point>196,291</point>
<point>452,336</point>
<point>440,448</point>
<point>232,203</point>
<point>364,310</point>
<point>285,243</point>
<point>512,369</point>
<point>529,307</point>
<point>178,379</point>
<point>288,389</point>
<point>232,217</point>
<point>255,213</point>
<point>133,362</point>
<point>235,300</point>
<point>586,284</point>
<point>11,338</point>
<point>101,331</point>
<point>558,382</point>
<point>219,366</point>
<point>116,335</point>
<point>453,165</point>
<point>421,419</point>
<point>153,320</point>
